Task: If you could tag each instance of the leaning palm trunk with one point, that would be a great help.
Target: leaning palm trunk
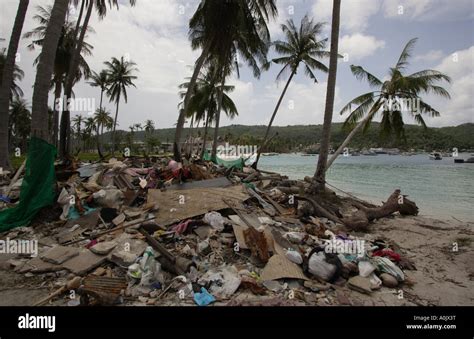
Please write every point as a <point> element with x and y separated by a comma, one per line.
<point>66,116</point>
<point>99,136</point>
<point>189,93</point>
<point>218,116</point>
<point>320,175</point>
<point>267,132</point>
<point>39,123</point>
<point>7,81</point>
<point>204,140</point>
<point>348,139</point>
<point>57,96</point>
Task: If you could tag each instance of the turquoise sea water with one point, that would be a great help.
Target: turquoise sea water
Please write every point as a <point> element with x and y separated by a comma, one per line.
<point>441,188</point>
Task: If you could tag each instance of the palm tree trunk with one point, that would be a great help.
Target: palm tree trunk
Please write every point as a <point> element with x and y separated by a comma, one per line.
<point>320,175</point>
<point>99,137</point>
<point>204,140</point>
<point>7,80</point>
<point>39,123</point>
<point>348,139</point>
<point>182,114</point>
<point>218,116</point>
<point>115,125</point>
<point>267,132</point>
<point>57,95</point>
<point>66,116</point>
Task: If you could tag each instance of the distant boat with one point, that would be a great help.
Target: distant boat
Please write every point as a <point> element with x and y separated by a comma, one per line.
<point>371,153</point>
<point>459,161</point>
<point>308,154</point>
<point>435,156</point>
<point>470,160</point>
<point>270,154</point>
<point>378,150</point>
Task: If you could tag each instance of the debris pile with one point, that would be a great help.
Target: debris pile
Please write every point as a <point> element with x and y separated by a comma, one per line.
<point>158,232</point>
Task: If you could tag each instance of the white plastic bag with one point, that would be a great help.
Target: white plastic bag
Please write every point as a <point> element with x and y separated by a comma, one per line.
<point>319,267</point>
<point>214,219</point>
<point>365,268</point>
<point>294,256</point>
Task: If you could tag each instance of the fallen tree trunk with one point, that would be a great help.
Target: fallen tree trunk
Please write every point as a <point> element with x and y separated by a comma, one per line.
<point>395,203</point>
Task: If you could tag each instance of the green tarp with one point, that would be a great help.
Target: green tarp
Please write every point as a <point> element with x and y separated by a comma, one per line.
<point>37,189</point>
<point>238,163</point>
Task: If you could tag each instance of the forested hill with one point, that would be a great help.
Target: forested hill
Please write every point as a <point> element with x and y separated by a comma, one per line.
<point>293,138</point>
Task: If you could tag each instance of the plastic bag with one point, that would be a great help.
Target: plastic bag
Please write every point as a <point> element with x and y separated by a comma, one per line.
<point>214,219</point>
<point>318,266</point>
<point>294,256</point>
<point>365,268</point>
<point>386,266</point>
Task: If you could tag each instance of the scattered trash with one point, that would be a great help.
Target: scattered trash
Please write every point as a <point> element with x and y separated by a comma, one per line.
<point>203,298</point>
<point>156,231</point>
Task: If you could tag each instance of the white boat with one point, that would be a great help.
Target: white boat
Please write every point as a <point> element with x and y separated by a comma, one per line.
<point>435,156</point>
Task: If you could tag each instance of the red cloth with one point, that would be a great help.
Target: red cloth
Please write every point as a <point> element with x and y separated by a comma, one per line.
<point>387,253</point>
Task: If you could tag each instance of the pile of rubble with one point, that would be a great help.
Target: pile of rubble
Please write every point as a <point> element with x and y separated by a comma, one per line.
<point>158,232</point>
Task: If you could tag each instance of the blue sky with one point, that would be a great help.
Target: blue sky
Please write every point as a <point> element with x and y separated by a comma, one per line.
<point>373,33</point>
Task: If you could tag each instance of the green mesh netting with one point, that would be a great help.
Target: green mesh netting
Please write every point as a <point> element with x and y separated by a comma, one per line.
<point>37,188</point>
<point>238,163</point>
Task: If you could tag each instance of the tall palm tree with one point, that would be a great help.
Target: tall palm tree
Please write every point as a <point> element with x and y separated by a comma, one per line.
<point>20,121</point>
<point>90,127</point>
<point>149,128</point>
<point>101,8</point>
<point>39,124</point>
<point>15,90</point>
<point>103,120</point>
<point>390,100</point>
<point>120,73</point>
<point>320,174</point>
<point>301,47</point>
<point>220,29</point>
<point>100,80</point>
<point>77,122</point>
<point>7,80</point>
<point>63,57</point>
<point>204,102</point>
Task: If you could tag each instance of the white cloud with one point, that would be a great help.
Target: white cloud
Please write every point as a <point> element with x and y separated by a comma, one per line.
<point>432,55</point>
<point>429,10</point>
<point>358,46</point>
<point>460,67</point>
<point>354,14</point>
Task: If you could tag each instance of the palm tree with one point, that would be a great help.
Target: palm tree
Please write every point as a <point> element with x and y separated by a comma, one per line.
<point>18,75</point>
<point>101,8</point>
<point>390,100</point>
<point>7,80</point>
<point>301,47</point>
<point>103,120</point>
<point>149,128</point>
<point>220,29</point>
<point>20,121</point>
<point>320,174</point>
<point>90,127</point>
<point>100,80</point>
<point>63,57</point>
<point>204,103</point>
<point>45,70</point>
<point>120,73</point>
<point>77,125</point>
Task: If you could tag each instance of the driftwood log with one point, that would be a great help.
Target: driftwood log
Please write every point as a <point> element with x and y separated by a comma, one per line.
<point>395,203</point>
<point>360,220</point>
